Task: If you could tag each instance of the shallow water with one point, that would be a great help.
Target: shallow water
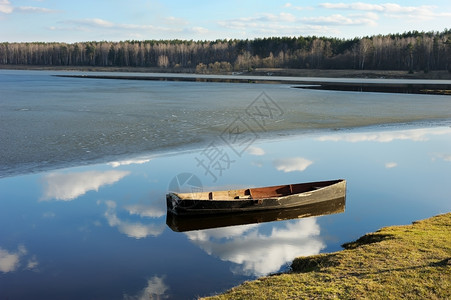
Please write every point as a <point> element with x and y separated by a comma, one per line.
<point>48,122</point>
<point>99,231</point>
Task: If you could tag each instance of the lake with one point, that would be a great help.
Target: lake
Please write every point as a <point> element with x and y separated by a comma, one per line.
<point>83,217</point>
<point>49,121</point>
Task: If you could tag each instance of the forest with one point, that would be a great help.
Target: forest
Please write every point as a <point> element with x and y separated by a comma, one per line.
<point>410,51</point>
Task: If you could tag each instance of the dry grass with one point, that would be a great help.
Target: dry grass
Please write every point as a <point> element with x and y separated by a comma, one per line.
<point>399,262</point>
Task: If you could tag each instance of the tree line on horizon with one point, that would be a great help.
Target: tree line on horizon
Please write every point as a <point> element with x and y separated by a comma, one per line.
<point>410,51</point>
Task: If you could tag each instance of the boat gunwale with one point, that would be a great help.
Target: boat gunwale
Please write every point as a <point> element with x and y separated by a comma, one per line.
<point>189,196</point>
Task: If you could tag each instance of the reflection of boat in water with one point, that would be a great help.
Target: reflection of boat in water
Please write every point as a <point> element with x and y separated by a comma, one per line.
<point>188,223</point>
<point>255,199</point>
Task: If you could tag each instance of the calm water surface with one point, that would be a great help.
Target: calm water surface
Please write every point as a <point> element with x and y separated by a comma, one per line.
<point>99,232</point>
<point>77,230</point>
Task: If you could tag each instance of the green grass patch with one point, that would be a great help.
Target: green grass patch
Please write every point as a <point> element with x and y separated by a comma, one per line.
<point>398,262</point>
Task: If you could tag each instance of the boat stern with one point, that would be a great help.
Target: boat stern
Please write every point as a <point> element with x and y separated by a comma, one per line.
<point>172,201</point>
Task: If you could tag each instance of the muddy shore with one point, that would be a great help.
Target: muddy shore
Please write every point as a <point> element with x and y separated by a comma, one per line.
<point>388,74</point>
<point>406,87</point>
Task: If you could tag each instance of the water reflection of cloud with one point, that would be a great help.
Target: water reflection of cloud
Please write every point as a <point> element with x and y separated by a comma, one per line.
<point>292,164</point>
<point>11,261</point>
<point>136,230</point>
<point>257,253</point>
<point>155,289</point>
<point>390,165</point>
<point>116,164</point>
<point>257,164</point>
<point>252,150</point>
<point>69,186</point>
<point>220,233</point>
<point>48,214</point>
<point>388,136</point>
<point>142,210</point>
<point>443,156</point>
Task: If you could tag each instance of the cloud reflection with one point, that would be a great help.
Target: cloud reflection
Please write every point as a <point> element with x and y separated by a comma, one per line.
<point>417,135</point>
<point>259,254</point>
<point>390,165</point>
<point>11,261</point>
<point>155,289</point>
<point>69,186</point>
<point>257,151</point>
<point>443,156</point>
<point>135,230</point>
<point>151,211</point>
<point>292,164</point>
<point>116,164</point>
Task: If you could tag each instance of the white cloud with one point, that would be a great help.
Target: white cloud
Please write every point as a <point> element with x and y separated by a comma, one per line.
<point>353,6</point>
<point>417,135</point>
<point>257,151</point>
<point>174,21</point>
<point>6,7</point>
<point>155,289</point>
<point>299,8</point>
<point>390,165</point>
<point>135,29</point>
<point>268,20</point>
<point>337,19</point>
<point>135,230</point>
<point>386,7</point>
<point>260,28</point>
<point>69,186</point>
<point>96,22</point>
<point>197,30</point>
<point>392,10</point>
<point>269,17</point>
<point>292,164</point>
<point>291,24</point>
<point>258,253</point>
<point>33,9</point>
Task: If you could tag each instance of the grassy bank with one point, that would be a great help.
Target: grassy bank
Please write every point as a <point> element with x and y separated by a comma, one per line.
<point>399,262</point>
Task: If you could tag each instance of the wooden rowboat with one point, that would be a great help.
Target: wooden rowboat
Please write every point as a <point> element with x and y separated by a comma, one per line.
<point>200,222</point>
<point>255,199</point>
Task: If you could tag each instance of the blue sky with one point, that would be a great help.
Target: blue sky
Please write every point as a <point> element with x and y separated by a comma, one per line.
<point>115,20</point>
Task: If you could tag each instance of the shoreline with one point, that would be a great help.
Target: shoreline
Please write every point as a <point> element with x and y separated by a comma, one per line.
<point>396,262</point>
<point>407,86</point>
<point>320,73</point>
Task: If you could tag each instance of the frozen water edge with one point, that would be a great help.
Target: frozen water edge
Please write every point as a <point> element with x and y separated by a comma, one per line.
<point>271,137</point>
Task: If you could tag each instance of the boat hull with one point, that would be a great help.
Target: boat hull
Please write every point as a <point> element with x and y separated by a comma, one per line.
<point>328,190</point>
<point>200,222</point>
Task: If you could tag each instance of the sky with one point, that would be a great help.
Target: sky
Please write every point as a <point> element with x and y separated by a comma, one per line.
<point>118,20</point>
